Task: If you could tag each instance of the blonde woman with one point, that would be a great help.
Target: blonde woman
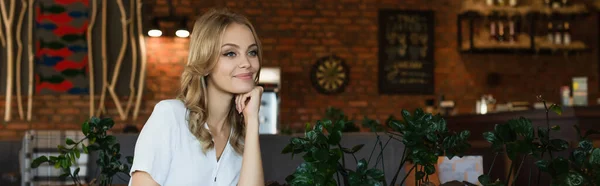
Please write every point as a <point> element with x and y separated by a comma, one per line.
<point>209,135</point>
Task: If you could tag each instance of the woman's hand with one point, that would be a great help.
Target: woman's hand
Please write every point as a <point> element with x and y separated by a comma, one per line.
<point>249,103</point>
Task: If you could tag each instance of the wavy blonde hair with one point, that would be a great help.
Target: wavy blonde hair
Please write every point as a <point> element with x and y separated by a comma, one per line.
<point>203,56</point>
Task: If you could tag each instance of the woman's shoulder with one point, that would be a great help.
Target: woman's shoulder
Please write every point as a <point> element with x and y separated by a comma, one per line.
<point>166,112</point>
<point>175,105</point>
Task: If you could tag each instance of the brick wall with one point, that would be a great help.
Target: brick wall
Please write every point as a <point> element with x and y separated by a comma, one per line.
<point>296,33</point>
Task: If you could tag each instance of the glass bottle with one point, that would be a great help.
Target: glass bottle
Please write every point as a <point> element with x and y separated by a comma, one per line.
<point>566,34</point>
<point>550,31</point>
<point>558,34</point>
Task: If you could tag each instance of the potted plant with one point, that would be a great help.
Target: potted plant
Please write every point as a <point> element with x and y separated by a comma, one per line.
<point>517,139</point>
<point>424,135</point>
<point>107,147</point>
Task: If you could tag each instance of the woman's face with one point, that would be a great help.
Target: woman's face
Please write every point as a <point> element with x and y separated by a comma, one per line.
<point>238,63</point>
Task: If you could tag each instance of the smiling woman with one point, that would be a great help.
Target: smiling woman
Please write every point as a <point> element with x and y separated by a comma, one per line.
<point>209,134</point>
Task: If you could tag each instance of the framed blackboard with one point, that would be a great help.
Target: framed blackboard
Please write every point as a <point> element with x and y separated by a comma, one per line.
<point>406,49</point>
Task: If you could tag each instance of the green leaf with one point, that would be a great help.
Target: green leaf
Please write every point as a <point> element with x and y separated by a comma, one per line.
<point>406,115</point>
<point>111,140</point>
<point>559,144</point>
<point>504,133</point>
<point>556,109</point>
<point>522,127</point>
<point>431,137</point>
<point>579,156</point>
<point>543,165</point>
<point>70,141</point>
<point>335,137</point>
<point>586,145</point>
<point>396,125</point>
<point>311,136</point>
<point>321,155</point>
<point>376,174</point>
<point>490,137</point>
<point>76,173</point>
<point>85,128</point>
<point>328,125</point>
<point>595,157</point>
<point>318,127</point>
<point>354,178</point>
<point>77,153</point>
<point>61,148</point>
<point>556,128</point>
<point>288,149</point>
<point>356,148</point>
<point>308,127</point>
<point>38,161</point>
<point>484,179</point>
<point>361,167</point>
<point>429,169</point>
<point>129,159</point>
<point>574,179</point>
<point>64,163</point>
<point>85,149</point>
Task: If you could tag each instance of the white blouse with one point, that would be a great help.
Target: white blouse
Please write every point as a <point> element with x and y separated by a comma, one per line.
<point>169,152</point>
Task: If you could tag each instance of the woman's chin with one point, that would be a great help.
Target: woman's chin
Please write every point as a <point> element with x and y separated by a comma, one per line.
<point>242,89</point>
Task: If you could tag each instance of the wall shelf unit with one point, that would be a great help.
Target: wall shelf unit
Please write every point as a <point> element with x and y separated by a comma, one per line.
<point>533,28</point>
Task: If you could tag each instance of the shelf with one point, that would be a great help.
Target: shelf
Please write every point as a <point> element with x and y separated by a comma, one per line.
<point>576,9</point>
<point>476,40</point>
<point>482,42</point>
<point>541,43</point>
<point>484,10</point>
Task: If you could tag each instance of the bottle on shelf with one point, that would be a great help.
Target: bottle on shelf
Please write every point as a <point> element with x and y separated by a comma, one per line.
<point>558,34</point>
<point>512,3</point>
<point>565,3</point>
<point>556,3</point>
<point>512,37</point>
<point>493,26</point>
<point>501,32</point>
<point>566,34</point>
<point>501,2</point>
<point>550,33</point>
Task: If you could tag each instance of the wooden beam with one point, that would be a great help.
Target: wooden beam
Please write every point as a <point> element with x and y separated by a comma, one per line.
<point>104,60</point>
<point>134,53</point>
<point>19,57</point>
<point>143,61</point>
<point>30,58</point>
<point>8,18</point>
<point>111,86</point>
<point>91,56</point>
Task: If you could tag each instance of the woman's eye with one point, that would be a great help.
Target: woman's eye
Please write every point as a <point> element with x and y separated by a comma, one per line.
<point>253,53</point>
<point>229,54</point>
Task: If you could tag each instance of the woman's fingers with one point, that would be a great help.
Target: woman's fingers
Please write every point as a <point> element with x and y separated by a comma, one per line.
<point>243,101</point>
<point>237,103</point>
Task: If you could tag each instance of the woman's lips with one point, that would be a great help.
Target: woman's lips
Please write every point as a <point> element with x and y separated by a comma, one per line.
<point>244,76</point>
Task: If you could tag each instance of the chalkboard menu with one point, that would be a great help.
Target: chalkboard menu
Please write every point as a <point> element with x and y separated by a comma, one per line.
<point>406,52</point>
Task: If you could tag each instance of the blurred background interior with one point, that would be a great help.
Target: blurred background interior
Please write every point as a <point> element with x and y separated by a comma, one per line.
<point>475,62</point>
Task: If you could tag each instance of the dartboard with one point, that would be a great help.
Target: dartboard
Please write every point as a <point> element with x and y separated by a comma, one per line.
<point>330,75</point>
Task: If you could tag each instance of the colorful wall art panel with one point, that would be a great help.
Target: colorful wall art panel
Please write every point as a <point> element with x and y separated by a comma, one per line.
<point>61,50</point>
